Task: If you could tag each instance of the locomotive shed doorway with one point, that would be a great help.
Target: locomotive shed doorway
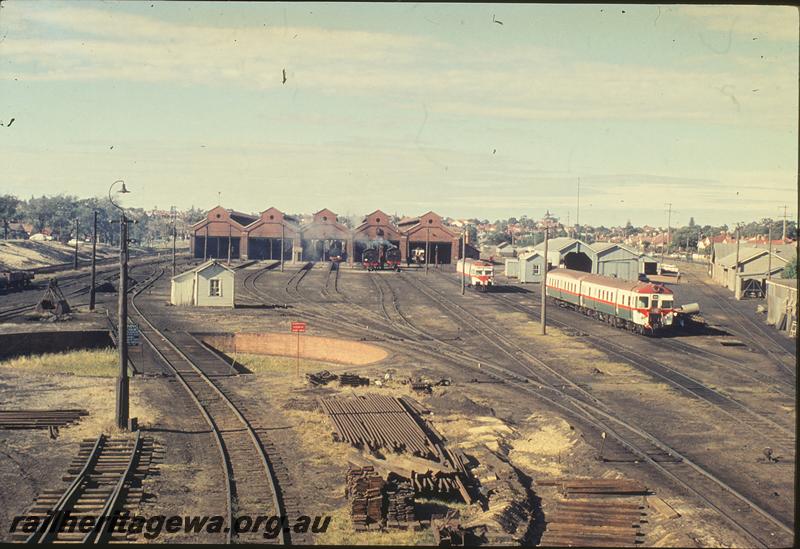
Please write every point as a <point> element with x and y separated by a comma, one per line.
<point>321,250</point>
<point>268,248</point>
<point>217,247</point>
<point>440,252</point>
<point>362,245</point>
<point>578,261</point>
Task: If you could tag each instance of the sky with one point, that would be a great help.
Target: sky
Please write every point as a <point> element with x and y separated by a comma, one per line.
<point>470,110</point>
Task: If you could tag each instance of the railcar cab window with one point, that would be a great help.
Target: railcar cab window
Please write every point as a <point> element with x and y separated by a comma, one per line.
<point>666,304</point>
<point>644,302</point>
<point>214,288</point>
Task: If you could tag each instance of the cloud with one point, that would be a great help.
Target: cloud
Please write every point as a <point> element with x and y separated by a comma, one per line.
<point>527,83</point>
<point>762,22</point>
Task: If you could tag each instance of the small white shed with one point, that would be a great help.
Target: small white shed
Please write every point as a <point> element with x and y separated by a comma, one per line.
<point>512,267</point>
<point>208,285</point>
<point>531,267</point>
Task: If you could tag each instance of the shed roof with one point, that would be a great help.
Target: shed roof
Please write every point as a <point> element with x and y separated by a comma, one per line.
<point>202,267</point>
<point>785,282</point>
<point>559,243</point>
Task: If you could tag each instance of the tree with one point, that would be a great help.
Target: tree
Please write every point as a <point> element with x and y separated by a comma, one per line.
<point>8,210</point>
<point>790,271</point>
<point>472,233</point>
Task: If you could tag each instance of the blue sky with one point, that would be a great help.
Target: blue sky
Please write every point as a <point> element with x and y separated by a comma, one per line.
<point>406,107</point>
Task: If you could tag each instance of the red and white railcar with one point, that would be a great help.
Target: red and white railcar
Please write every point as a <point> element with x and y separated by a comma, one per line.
<point>476,272</point>
<point>642,307</point>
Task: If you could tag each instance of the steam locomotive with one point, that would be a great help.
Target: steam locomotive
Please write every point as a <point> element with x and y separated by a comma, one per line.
<point>381,257</point>
<point>641,307</point>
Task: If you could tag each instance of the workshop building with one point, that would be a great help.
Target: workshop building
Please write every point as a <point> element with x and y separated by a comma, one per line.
<point>208,285</point>
<point>220,234</point>
<point>378,231</point>
<point>531,267</point>
<point>747,278</point>
<point>429,240</point>
<point>272,232</point>
<point>324,238</point>
<point>782,304</point>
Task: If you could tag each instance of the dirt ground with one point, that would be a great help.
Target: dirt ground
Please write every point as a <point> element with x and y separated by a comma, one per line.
<point>513,441</point>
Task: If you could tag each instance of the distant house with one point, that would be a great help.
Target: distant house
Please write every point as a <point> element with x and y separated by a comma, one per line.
<point>504,250</point>
<point>16,230</point>
<point>208,285</point>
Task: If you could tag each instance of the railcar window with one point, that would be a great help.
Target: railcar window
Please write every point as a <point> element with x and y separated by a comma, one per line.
<point>666,304</point>
<point>644,303</point>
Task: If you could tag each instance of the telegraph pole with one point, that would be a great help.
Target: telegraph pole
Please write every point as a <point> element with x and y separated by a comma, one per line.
<point>122,412</point>
<point>784,222</point>
<point>283,235</point>
<point>75,265</point>
<point>669,230</point>
<point>769,259</point>
<point>92,290</point>
<point>427,248</point>
<point>230,242</point>
<point>577,214</point>
<point>174,237</point>
<point>544,284</point>
<point>463,258</point>
<point>736,268</point>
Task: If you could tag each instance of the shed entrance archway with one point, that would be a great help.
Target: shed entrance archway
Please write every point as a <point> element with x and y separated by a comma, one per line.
<point>268,248</point>
<point>217,247</point>
<point>578,261</point>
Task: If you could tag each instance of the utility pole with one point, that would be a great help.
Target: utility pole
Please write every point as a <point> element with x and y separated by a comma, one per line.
<point>784,221</point>
<point>92,290</point>
<point>544,284</point>
<point>230,242</point>
<point>769,259</point>
<point>122,333</point>
<point>75,264</point>
<point>736,268</point>
<point>205,245</point>
<point>427,248</point>
<point>463,258</point>
<point>669,230</point>
<point>577,214</point>
<point>174,247</point>
<point>283,235</point>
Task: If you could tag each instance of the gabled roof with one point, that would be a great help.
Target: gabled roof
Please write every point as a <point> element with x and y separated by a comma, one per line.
<point>525,256</point>
<point>202,267</point>
<point>560,243</point>
<point>749,254</point>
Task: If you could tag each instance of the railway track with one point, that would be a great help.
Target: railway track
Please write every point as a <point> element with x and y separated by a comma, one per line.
<point>106,474</point>
<point>744,515</point>
<point>782,357</point>
<point>254,473</point>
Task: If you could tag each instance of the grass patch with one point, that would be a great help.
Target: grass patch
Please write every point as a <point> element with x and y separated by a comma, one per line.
<point>268,364</point>
<point>340,532</point>
<point>89,363</point>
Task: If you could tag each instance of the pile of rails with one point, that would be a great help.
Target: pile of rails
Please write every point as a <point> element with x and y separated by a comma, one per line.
<point>321,378</point>
<point>399,502</point>
<point>377,422</point>
<point>353,380</point>
<point>593,487</point>
<point>365,491</point>
<point>608,513</point>
<point>39,419</point>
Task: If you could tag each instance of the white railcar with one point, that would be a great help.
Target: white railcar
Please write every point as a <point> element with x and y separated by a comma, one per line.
<point>476,272</point>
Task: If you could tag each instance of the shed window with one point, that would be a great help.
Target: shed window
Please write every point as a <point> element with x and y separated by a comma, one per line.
<point>214,287</point>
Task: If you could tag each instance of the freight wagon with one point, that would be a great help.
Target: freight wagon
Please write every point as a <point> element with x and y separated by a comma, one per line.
<point>14,280</point>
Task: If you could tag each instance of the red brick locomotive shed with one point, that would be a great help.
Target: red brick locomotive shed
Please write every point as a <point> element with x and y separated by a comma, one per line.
<point>427,234</point>
<point>325,237</point>
<point>272,232</point>
<point>377,230</point>
<point>220,234</point>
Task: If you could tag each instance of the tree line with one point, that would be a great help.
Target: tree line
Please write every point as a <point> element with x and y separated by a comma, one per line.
<point>59,213</point>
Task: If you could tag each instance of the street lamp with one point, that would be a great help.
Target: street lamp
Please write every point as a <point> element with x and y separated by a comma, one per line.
<point>122,408</point>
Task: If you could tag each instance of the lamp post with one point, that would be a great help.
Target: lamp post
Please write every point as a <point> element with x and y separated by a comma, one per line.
<point>122,408</point>
<point>174,236</point>
<point>93,290</point>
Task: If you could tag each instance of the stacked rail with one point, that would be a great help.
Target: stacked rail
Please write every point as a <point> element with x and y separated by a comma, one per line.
<point>593,523</point>
<point>39,419</point>
<point>377,422</point>
<point>105,473</point>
